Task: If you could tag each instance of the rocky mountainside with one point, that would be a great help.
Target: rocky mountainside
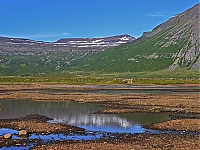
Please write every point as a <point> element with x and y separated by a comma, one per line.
<point>172,45</point>
<point>184,26</point>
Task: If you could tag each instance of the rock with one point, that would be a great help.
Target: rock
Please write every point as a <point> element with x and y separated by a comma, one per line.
<point>8,136</point>
<point>22,132</point>
<point>1,137</point>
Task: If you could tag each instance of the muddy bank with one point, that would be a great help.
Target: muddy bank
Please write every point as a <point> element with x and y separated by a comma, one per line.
<point>38,124</point>
<point>22,86</point>
<point>175,125</point>
<point>15,95</point>
<point>127,142</point>
<point>34,124</point>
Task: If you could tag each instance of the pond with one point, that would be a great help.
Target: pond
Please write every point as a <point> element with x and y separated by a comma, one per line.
<point>81,115</point>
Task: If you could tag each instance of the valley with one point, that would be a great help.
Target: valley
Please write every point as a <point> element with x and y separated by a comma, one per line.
<point>114,92</point>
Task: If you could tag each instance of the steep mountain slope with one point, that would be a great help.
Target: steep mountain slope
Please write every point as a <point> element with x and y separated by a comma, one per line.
<point>173,45</point>
<point>26,57</point>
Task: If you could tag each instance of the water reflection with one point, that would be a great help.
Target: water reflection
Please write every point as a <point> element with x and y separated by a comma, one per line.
<point>95,120</point>
<point>73,113</point>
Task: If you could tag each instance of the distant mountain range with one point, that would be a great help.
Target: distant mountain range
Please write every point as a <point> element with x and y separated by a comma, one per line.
<point>102,42</point>
<point>172,45</point>
<point>20,46</point>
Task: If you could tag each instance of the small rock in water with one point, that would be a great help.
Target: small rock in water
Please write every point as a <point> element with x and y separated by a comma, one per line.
<point>18,144</point>
<point>8,136</point>
<point>22,132</point>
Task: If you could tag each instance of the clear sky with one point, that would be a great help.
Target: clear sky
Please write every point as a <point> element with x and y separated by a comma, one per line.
<point>49,20</point>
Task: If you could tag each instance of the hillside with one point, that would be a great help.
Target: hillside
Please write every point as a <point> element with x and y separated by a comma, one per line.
<point>27,57</point>
<point>172,45</point>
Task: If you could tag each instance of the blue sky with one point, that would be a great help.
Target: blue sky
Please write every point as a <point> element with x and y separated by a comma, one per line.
<point>49,20</point>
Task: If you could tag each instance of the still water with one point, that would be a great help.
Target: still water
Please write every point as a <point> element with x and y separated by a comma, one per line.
<point>124,89</point>
<point>81,115</point>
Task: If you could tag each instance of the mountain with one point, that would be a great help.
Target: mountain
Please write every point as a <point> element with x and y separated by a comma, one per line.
<point>172,45</point>
<point>20,56</point>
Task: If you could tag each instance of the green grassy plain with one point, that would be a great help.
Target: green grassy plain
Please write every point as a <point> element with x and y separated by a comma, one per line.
<point>79,77</point>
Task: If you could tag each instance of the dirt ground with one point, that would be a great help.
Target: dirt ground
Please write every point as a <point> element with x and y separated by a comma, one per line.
<point>131,142</point>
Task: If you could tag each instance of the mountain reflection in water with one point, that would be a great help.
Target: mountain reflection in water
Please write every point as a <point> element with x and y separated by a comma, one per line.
<point>96,120</point>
